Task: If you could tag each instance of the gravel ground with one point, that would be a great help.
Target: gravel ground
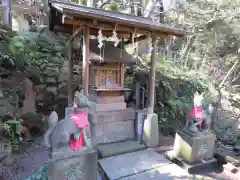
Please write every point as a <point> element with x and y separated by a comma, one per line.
<point>27,163</point>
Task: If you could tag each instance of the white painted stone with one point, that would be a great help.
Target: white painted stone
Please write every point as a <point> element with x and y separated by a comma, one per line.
<point>132,163</point>
<point>150,131</point>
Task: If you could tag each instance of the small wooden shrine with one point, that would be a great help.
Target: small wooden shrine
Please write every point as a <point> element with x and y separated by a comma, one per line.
<point>106,73</point>
<point>103,66</point>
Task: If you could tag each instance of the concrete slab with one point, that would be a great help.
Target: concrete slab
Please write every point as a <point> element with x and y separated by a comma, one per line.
<point>165,172</point>
<point>124,165</point>
<point>118,148</point>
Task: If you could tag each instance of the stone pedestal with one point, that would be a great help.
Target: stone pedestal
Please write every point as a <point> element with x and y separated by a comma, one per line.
<point>76,165</point>
<point>112,125</point>
<point>194,149</point>
<point>193,153</point>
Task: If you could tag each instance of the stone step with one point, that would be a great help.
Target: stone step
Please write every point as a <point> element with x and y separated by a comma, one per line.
<point>130,164</point>
<point>143,165</point>
<point>112,149</point>
<point>107,107</point>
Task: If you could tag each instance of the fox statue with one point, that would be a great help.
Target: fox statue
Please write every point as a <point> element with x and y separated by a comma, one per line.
<point>199,117</point>
<point>59,134</point>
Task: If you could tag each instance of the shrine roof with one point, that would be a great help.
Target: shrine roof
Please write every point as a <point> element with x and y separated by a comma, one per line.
<point>109,53</point>
<point>132,21</point>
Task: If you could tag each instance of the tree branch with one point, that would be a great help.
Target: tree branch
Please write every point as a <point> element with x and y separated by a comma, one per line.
<point>235,78</point>
<point>104,4</point>
<point>229,73</point>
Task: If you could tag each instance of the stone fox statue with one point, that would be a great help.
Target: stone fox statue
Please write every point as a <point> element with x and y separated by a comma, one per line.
<point>59,134</point>
<point>199,117</point>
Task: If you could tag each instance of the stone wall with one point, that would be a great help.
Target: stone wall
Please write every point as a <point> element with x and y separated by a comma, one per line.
<point>111,126</point>
<point>35,92</point>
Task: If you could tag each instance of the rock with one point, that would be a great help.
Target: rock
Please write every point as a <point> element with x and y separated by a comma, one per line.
<point>40,87</point>
<point>34,75</point>
<point>6,108</point>
<point>52,89</point>
<point>63,88</point>
<point>62,96</point>
<point>77,69</point>
<point>76,79</point>
<point>2,155</point>
<point>40,97</point>
<point>63,77</point>
<point>33,122</point>
<point>30,98</point>
<point>50,80</point>
<point>3,172</point>
<point>237,145</point>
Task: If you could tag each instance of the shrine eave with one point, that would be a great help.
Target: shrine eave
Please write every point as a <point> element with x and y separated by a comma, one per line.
<point>107,20</point>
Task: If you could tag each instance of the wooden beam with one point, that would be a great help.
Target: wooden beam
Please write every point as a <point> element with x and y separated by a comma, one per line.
<point>85,75</point>
<point>108,33</point>
<point>70,75</point>
<point>76,33</point>
<point>103,26</point>
<point>151,100</point>
<point>136,39</point>
<point>122,74</point>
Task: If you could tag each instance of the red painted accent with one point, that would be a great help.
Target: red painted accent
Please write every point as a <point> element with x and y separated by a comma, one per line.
<point>81,121</point>
<point>196,113</point>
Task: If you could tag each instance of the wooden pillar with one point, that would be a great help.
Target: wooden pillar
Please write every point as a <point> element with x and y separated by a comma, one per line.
<point>137,93</point>
<point>85,72</point>
<point>70,74</point>
<point>151,96</point>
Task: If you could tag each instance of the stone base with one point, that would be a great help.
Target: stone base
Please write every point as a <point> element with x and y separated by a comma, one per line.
<point>190,168</point>
<point>113,149</point>
<point>150,131</point>
<point>194,149</point>
<point>107,106</point>
<point>111,126</point>
<point>80,165</point>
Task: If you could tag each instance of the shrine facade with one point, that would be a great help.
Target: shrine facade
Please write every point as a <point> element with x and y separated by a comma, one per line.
<point>103,62</point>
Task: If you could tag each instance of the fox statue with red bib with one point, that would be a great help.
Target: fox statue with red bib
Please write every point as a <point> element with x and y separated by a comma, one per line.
<point>199,117</point>
<point>72,131</point>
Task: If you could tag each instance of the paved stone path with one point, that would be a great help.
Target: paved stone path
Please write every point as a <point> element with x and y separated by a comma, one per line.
<point>142,165</point>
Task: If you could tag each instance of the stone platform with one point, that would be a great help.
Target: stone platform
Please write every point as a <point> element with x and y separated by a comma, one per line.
<point>76,165</point>
<point>113,149</point>
<point>141,165</point>
<point>111,126</point>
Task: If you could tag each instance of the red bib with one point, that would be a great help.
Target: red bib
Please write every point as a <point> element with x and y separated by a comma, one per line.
<point>81,121</point>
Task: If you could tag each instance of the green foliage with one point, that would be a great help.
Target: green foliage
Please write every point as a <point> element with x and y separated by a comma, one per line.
<point>175,87</point>
<point>41,51</point>
<point>6,57</point>
<point>12,128</point>
<point>39,175</point>
<point>128,78</point>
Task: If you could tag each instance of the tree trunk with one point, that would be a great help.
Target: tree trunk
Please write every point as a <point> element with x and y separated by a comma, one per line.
<point>214,114</point>
<point>5,16</point>
<point>92,3</point>
<point>235,65</point>
<point>149,8</point>
<point>187,48</point>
